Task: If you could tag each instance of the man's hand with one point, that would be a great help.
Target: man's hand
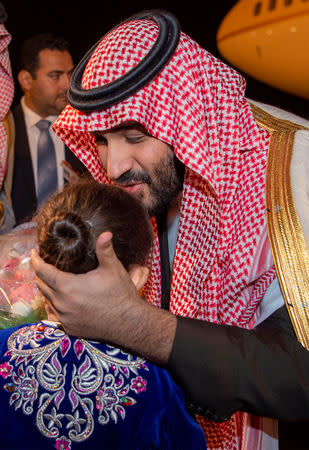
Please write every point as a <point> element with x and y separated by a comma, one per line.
<point>104,304</point>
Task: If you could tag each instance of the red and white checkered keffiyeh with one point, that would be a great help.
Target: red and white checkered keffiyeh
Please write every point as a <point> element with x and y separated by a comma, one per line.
<point>6,96</point>
<point>222,264</point>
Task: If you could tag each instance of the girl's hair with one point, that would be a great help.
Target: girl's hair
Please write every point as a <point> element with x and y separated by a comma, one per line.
<point>71,221</point>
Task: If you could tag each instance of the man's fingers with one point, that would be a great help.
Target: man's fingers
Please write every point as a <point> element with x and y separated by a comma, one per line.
<point>45,272</point>
<point>51,311</point>
<point>104,249</point>
<point>44,288</point>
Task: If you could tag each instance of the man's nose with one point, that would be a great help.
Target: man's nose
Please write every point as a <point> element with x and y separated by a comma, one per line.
<point>65,81</point>
<point>118,160</point>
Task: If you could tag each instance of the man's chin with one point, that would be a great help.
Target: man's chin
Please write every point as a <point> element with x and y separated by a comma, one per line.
<point>60,107</point>
<point>156,209</point>
<point>149,203</point>
<point>157,206</point>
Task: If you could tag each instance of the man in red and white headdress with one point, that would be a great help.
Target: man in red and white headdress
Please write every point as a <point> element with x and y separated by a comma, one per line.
<point>7,218</point>
<point>186,141</point>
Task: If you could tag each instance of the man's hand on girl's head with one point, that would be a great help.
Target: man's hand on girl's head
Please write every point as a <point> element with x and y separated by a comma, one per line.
<point>104,304</point>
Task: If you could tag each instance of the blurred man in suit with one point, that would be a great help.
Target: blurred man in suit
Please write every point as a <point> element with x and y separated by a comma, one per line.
<point>44,73</point>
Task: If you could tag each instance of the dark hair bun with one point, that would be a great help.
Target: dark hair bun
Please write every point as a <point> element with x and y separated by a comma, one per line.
<point>68,238</point>
<point>70,232</point>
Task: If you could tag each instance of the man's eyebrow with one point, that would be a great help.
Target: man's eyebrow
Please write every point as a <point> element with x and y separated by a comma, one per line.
<point>130,125</point>
<point>96,133</point>
<point>55,72</point>
<point>123,126</point>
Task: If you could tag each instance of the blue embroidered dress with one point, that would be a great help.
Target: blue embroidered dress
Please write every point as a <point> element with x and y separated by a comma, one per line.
<point>65,393</point>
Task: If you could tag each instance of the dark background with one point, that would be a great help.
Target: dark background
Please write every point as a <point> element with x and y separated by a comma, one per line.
<point>83,24</point>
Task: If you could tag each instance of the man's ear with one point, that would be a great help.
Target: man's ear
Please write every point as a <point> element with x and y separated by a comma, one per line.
<point>25,79</point>
<point>139,275</point>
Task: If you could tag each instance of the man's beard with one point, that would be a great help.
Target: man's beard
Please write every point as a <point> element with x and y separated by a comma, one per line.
<point>165,183</point>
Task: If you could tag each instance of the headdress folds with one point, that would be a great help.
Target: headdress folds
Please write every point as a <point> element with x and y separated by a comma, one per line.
<point>116,91</point>
<point>6,90</point>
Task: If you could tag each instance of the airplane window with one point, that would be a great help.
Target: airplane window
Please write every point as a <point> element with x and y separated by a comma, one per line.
<point>257,9</point>
<point>272,5</point>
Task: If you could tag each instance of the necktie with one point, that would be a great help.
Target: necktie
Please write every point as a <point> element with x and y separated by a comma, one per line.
<point>46,163</point>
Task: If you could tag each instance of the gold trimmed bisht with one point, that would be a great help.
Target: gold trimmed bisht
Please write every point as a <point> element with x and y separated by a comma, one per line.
<point>286,237</point>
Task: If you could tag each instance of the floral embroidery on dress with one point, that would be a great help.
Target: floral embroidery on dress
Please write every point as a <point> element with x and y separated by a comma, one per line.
<point>138,385</point>
<point>5,370</point>
<point>63,443</point>
<point>101,385</point>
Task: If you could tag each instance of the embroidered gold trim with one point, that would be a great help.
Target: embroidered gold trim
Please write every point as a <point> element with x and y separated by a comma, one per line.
<point>289,247</point>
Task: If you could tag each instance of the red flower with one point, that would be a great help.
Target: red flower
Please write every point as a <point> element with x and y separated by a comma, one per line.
<point>63,443</point>
<point>138,385</point>
<point>5,370</point>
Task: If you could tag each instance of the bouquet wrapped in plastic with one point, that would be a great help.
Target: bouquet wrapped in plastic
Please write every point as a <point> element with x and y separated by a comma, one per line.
<point>20,300</point>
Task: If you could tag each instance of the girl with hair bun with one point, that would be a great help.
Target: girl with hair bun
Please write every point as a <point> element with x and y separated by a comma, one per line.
<point>61,392</point>
<point>70,223</point>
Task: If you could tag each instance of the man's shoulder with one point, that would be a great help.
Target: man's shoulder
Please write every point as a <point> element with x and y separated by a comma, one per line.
<point>17,107</point>
<point>281,113</point>
<point>17,112</point>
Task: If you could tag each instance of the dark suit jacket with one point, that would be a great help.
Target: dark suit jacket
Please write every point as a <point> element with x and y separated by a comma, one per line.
<point>23,195</point>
